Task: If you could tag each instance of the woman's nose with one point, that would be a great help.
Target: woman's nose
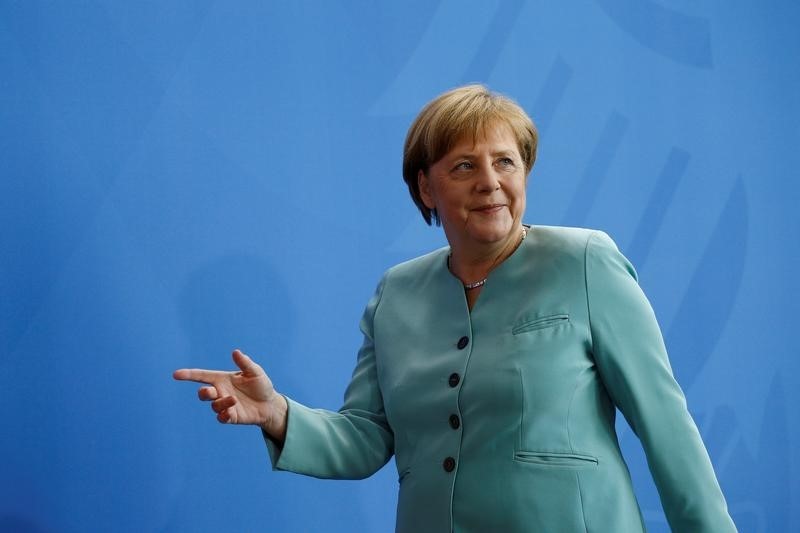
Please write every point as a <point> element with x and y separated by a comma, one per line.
<point>487,180</point>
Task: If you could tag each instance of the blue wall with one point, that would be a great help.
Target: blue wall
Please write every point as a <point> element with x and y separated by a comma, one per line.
<point>181,178</point>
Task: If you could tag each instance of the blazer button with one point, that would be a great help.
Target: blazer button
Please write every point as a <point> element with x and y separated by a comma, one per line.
<point>462,342</point>
<point>449,464</point>
<point>455,423</point>
<point>454,379</point>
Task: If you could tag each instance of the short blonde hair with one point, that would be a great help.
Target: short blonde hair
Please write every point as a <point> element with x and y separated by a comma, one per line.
<point>451,116</point>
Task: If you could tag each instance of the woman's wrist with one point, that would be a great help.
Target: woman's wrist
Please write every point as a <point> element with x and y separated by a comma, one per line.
<point>275,424</point>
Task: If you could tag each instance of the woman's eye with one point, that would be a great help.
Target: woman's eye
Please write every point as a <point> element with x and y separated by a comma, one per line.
<point>464,165</point>
<point>506,162</point>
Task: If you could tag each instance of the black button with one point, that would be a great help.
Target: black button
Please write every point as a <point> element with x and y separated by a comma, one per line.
<point>454,421</point>
<point>462,342</point>
<point>449,464</point>
<point>454,379</point>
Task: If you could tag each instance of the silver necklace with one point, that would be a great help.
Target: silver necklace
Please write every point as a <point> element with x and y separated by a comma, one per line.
<point>470,286</point>
<point>481,283</point>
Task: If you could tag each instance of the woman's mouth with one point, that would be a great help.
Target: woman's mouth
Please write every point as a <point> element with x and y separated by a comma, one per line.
<point>489,209</point>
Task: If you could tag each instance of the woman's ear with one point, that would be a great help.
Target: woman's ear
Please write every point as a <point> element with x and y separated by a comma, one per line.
<point>425,190</point>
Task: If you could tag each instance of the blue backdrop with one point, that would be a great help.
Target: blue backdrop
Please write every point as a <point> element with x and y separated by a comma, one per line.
<point>186,177</point>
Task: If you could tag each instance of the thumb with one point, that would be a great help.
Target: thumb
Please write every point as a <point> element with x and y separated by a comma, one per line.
<point>245,364</point>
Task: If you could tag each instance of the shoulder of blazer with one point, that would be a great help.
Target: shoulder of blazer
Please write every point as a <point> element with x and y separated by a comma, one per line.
<point>563,237</point>
<point>423,265</point>
<point>560,243</point>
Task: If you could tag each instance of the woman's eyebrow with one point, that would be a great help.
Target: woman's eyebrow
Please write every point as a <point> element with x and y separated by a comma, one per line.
<point>471,155</point>
<point>463,155</point>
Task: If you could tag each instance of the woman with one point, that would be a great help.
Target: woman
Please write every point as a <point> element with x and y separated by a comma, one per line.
<point>491,368</point>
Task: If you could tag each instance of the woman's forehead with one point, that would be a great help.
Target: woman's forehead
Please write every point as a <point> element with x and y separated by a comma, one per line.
<point>498,136</point>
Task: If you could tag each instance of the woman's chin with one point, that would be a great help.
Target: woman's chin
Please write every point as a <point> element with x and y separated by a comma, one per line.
<point>491,234</point>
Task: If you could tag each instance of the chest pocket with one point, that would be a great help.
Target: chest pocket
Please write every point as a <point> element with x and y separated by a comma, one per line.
<point>549,321</point>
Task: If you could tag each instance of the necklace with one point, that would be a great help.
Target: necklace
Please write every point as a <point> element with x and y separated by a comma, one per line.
<point>481,283</point>
<point>470,286</point>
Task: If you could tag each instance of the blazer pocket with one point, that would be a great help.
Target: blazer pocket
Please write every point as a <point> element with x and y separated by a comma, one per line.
<point>555,458</point>
<point>540,323</point>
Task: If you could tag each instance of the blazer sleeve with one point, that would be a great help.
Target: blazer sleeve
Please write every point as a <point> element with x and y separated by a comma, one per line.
<point>352,443</point>
<point>632,361</point>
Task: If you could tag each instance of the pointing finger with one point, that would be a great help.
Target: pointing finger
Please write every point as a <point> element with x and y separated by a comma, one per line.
<point>198,375</point>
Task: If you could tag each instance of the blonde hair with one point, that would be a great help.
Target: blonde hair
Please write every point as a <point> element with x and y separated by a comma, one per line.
<point>451,116</point>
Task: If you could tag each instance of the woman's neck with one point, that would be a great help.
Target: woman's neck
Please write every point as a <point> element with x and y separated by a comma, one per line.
<point>473,264</point>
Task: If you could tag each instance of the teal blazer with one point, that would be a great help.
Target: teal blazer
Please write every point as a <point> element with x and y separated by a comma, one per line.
<point>502,419</point>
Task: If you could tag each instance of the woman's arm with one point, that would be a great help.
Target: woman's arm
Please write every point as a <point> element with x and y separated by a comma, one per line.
<point>352,443</point>
<point>633,363</point>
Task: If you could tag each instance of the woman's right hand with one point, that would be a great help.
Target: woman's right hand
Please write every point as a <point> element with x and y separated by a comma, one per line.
<point>243,397</point>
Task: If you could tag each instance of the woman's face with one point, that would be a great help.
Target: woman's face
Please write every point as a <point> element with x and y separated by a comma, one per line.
<point>478,189</point>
